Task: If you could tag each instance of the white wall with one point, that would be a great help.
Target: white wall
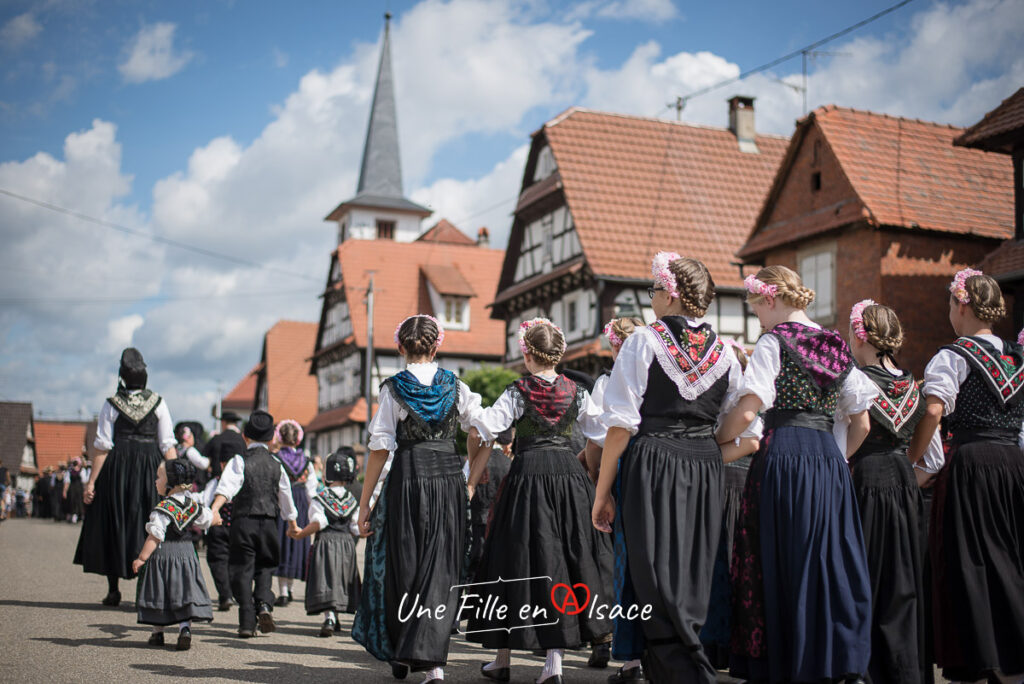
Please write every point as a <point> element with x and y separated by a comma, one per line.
<point>362,224</point>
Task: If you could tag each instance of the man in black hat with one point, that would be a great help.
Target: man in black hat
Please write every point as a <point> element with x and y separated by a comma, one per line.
<point>258,487</point>
<point>227,444</point>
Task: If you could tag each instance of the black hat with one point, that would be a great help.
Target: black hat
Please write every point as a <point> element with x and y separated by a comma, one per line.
<point>133,369</point>
<point>341,465</point>
<point>230,417</point>
<point>179,471</point>
<point>260,426</point>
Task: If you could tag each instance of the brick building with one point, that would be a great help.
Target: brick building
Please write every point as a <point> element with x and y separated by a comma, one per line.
<point>867,205</point>
<point>58,441</point>
<point>18,443</point>
<point>1002,131</point>
<point>283,386</point>
<point>602,193</point>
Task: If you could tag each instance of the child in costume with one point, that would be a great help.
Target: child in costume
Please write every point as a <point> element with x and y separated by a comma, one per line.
<point>800,582</point>
<point>663,399</point>
<point>418,529</point>
<point>546,496</point>
<point>294,552</point>
<point>977,543</point>
<point>171,589</point>
<point>333,585</point>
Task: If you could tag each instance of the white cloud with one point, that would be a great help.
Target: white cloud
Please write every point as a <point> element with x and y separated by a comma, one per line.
<point>151,55</point>
<point>120,332</point>
<point>19,30</point>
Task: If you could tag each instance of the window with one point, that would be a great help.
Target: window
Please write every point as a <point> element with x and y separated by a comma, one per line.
<point>385,230</point>
<point>816,181</point>
<point>817,270</point>
<point>456,312</point>
<point>571,321</point>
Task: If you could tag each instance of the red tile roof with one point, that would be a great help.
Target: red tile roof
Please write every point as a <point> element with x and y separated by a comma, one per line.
<point>906,173</point>
<point>342,415</point>
<point>445,232</point>
<point>58,442</point>
<point>447,280</point>
<point>995,130</point>
<point>1006,260</point>
<point>291,390</point>
<point>243,395</point>
<point>400,291</point>
<point>635,186</point>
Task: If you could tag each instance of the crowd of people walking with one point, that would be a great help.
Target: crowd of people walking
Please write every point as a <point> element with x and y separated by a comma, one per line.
<point>805,512</point>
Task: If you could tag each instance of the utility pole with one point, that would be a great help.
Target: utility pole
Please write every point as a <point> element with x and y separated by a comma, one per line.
<point>368,387</point>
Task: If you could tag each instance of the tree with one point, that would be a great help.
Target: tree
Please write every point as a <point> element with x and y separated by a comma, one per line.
<point>489,382</point>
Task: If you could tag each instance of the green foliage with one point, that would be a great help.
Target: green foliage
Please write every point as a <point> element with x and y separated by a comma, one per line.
<point>489,382</point>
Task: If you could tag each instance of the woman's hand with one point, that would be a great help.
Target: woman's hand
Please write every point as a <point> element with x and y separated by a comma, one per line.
<point>136,564</point>
<point>603,514</point>
<point>89,494</point>
<point>364,522</point>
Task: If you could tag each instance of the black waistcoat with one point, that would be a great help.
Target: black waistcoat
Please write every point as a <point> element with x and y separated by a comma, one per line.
<point>258,495</point>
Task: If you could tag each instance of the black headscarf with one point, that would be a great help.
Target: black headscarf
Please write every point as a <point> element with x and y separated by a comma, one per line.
<point>132,374</point>
<point>180,471</point>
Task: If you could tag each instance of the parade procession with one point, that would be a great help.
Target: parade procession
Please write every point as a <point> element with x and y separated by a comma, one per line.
<point>696,403</point>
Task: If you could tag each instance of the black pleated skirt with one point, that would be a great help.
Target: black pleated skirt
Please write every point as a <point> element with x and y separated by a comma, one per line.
<point>294,552</point>
<point>977,548</point>
<point>114,529</point>
<point>171,588</point>
<point>74,503</point>
<point>415,557</point>
<point>890,509</point>
<point>542,553</point>
<point>333,582</point>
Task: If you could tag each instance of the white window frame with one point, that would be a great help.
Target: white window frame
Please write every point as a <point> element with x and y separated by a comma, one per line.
<point>815,265</point>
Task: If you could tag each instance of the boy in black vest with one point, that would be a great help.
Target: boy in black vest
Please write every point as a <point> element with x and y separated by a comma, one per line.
<point>259,489</point>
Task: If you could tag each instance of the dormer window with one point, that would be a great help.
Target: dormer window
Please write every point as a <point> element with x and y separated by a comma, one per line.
<point>455,311</point>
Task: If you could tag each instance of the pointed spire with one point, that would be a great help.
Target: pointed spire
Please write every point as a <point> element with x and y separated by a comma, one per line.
<point>381,172</point>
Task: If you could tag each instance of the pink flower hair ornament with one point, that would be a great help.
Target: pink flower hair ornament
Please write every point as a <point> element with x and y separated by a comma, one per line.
<point>609,332</point>
<point>1020,337</point>
<point>440,328</point>
<point>287,421</point>
<point>662,274</point>
<point>526,325</point>
<point>759,287</point>
<point>958,287</point>
<point>857,318</point>
<point>730,342</point>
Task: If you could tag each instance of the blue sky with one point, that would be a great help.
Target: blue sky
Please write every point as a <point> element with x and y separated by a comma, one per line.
<point>237,126</point>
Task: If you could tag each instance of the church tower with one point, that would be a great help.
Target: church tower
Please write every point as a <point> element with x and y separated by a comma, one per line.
<point>380,210</point>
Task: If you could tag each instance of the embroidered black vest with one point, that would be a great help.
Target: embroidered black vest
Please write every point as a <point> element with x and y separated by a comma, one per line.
<point>413,428</point>
<point>181,517</point>
<point>549,409</point>
<point>136,416</point>
<point>689,377</point>
<point>894,412</point>
<point>337,509</point>
<point>991,395</point>
<point>258,495</point>
<point>814,365</point>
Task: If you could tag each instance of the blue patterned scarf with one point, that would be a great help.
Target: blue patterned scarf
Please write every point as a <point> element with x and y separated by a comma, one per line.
<point>432,402</point>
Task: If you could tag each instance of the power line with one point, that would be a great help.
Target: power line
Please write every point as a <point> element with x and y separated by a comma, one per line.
<point>155,298</point>
<point>682,99</point>
<point>155,238</point>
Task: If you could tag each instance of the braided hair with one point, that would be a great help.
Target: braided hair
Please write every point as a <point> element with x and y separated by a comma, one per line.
<point>790,287</point>
<point>695,284</point>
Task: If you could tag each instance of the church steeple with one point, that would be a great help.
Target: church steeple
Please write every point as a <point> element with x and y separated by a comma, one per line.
<point>381,172</point>
<point>380,210</point>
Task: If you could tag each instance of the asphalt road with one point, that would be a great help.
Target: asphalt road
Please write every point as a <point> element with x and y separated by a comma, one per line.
<point>53,629</point>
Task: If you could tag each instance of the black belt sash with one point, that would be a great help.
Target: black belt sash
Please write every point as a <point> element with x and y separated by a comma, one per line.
<point>774,419</point>
<point>674,427</point>
<point>1006,436</point>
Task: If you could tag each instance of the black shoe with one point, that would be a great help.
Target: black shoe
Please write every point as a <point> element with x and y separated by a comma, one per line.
<point>501,674</point>
<point>156,639</point>
<point>264,619</point>
<point>224,605</point>
<point>633,674</point>
<point>599,656</point>
<point>184,639</point>
<point>112,599</point>
<point>557,679</point>
<point>246,633</point>
<point>328,628</point>
<point>399,670</point>
<point>283,600</point>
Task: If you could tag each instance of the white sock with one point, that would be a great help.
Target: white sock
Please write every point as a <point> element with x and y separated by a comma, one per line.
<point>329,615</point>
<point>282,585</point>
<point>501,660</point>
<point>187,624</point>
<point>553,664</point>
<point>631,664</point>
<point>290,582</point>
<point>436,673</point>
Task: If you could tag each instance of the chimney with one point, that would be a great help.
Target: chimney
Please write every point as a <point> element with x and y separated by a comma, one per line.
<point>741,122</point>
<point>483,237</point>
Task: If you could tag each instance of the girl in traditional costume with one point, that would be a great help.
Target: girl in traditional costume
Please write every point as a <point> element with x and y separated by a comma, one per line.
<point>801,588</point>
<point>889,499</point>
<point>171,588</point>
<point>134,434</point>
<point>333,585</point>
<point>664,396</point>
<point>302,474</point>
<point>540,537</point>
<point>418,530</point>
<point>977,526</point>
